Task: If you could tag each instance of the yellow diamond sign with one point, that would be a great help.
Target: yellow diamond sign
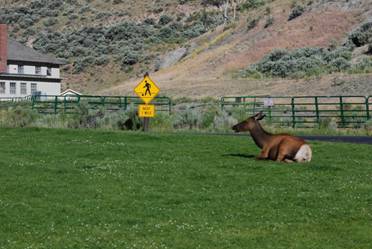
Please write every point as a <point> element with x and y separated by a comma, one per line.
<point>147,90</point>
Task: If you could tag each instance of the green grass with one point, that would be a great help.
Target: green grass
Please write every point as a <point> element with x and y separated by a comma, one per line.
<point>91,189</point>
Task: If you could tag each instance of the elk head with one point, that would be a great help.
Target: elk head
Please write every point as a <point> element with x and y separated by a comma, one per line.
<point>249,124</point>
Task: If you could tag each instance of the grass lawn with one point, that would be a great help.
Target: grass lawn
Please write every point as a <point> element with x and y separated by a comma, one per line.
<point>94,189</point>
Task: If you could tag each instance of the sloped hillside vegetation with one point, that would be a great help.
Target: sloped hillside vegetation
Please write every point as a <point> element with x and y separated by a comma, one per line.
<point>124,42</point>
<point>316,61</point>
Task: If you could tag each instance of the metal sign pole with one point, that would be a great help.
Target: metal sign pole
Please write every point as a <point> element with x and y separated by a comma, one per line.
<point>146,124</point>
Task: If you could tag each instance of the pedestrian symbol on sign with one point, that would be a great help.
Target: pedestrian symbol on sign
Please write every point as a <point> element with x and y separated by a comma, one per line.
<point>147,89</point>
<point>147,86</point>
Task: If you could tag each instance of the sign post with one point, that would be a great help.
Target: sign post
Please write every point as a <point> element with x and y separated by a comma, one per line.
<point>147,91</point>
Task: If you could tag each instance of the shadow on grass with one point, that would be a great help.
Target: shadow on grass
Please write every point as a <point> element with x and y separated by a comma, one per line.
<point>239,155</point>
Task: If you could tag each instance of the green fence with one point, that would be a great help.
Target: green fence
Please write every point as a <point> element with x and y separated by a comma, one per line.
<point>68,104</point>
<point>299,111</point>
<point>305,111</point>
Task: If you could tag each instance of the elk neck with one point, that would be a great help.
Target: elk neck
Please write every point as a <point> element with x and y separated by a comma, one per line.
<point>259,135</point>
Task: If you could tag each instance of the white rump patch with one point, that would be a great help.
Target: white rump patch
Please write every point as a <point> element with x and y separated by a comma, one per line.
<point>304,154</point>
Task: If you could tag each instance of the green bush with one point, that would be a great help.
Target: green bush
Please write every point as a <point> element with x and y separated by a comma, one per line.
<point>50,21</point>
<point>252,23</point>
<point>183,1</point>
<point>161,122</point>
<point>188,119</point>
<point>194,31</point>
<point>252,4</point>
<point>104,119</point>
<point>296,11</point>
<point>165,19</point>
<point>167,33</point>
<point>328,123</point>
<point>340,64</point>
<point>129,57</point>
<point>61,121</point>
<point>369,51</point>
<point>368,125</point>
<point>217,3</point>
<point>341,52</point>
<point>250,73</point>
<point>301,62</point>
<point>18,117</point>
<point>362,35</point>
<point>208,117</point>
<point>102,60</point>
<point>223,121</point>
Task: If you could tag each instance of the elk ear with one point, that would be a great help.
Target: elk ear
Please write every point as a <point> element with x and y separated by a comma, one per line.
<point>259,116</point>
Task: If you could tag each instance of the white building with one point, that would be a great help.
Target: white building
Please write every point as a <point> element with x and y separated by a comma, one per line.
<point>24,71</point>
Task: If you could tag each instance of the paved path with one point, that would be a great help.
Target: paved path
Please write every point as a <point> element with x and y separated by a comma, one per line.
<point>342,139</point>
<point>338,139</point>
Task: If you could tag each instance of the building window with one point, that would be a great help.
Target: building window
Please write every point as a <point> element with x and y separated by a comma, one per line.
<point>21,69</point>
<point>24,88</point>
<point>13,88</point>
<point>2,87</point>
<point>33,88</point>
<point>38,70</point>
<point>49,71</point>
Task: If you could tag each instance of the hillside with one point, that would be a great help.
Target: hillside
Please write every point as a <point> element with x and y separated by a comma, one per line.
<point>191,52</point>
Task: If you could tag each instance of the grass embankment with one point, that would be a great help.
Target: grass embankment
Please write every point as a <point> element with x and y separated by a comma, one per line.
<point>90,189</point>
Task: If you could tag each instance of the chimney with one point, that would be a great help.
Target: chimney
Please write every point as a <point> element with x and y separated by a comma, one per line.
<point>3,48</point>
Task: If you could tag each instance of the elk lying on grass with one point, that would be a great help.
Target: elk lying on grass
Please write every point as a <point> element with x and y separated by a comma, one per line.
<point>277,147</point>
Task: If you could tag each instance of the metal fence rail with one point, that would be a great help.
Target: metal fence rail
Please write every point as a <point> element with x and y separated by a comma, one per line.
<point>67,104</point>
<point>305,111</point>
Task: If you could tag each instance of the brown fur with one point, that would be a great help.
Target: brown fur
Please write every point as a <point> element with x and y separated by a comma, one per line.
<point>279,147</point>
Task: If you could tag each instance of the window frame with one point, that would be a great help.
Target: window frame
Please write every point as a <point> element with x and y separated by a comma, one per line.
<point>38,70</point>
<point>21,69</point>
<point>23,86</point>
<point>13,91</point>
<point>33,88</point>
<point>3,90</point>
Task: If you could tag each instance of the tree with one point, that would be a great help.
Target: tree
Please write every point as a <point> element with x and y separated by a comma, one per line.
<point>217,3</point>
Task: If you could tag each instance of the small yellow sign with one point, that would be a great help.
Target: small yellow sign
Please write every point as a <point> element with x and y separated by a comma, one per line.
<point>147,90</point>
<point>146,111</point>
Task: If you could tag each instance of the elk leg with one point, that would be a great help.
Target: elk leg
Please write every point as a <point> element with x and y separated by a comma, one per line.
<point>282,152</point>
<point>281,157</point>
<point>264,154</point>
